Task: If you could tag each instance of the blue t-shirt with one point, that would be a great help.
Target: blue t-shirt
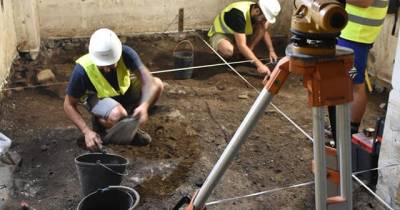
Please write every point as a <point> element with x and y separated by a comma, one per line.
<point>79,82</point>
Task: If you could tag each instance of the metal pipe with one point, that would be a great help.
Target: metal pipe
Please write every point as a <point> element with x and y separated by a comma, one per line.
<point>344,151</point>
<point>319,158</point>
<point>233,147</point>
<point>180,22</point>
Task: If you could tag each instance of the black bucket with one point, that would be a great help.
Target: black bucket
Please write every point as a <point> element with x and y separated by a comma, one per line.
<point>110,198</point>
<point>99,170</point>
<point>183,59</point>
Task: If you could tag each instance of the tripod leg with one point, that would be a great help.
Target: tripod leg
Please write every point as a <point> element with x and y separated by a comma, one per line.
<point>319,158</point>
<point>344,148</point>
<point>231,150</point>
<point>272,87</point>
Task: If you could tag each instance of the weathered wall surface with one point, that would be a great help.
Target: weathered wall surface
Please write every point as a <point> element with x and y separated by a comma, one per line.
<point>24,22</point>
<point>26,19</point>
<point>79,18</point>
<point>389,183</point>
<point>382,56</point>
<point>8,40</point>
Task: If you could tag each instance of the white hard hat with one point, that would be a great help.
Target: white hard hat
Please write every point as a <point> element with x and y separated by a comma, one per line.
<point>270,9</point>
<point>105,48</point>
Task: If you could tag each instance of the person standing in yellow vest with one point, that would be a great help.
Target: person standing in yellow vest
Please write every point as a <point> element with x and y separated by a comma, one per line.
<point>101,79</point>
<point>239,20</point>
<point>366,19</point>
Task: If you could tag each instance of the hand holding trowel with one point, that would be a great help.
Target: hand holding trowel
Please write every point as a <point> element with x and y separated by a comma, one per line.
<point>125,130</point>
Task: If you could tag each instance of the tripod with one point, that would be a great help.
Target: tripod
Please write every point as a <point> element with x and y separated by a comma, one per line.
<point>328,83</point>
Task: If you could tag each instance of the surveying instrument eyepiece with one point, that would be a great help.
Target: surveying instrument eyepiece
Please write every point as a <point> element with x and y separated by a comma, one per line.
<point>315,25</point>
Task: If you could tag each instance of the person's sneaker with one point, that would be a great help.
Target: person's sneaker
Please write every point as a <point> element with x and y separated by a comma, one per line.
<point>141,138</point>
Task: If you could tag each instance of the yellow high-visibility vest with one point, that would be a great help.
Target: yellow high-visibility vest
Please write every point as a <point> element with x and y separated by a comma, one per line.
<point>102,86</point>
<point>220,26</point>
<point>365,24</point>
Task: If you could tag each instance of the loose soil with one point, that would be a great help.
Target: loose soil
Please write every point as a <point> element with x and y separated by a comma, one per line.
<point>193,122</point>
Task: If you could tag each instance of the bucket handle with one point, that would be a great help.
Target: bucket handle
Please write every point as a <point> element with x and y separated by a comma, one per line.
<point>184,41</point>
<point>130,190</point>
<point>108,168</point>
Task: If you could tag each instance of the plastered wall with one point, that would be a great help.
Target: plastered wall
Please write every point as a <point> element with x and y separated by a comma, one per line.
<point>79,18</point>
<point>23,23</point>
<point>382,56</point>
<point>8,40</point>
<point>388,187</point>
<point>26,21</point>
<point>19,31</point>
<point>36,19</point>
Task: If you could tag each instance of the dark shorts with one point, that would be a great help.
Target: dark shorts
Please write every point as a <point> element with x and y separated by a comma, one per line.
<point>361,51</point>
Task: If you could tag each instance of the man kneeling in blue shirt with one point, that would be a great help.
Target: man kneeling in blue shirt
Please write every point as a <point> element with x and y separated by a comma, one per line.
<point>101,79</point>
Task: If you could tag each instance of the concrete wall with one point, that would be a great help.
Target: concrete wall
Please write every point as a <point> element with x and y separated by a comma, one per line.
<point>382,56</point>
<point>24,22</point>
<point>79,18</point>
<point>8,40</point>
<point>389,183</point>
<point>26,19</point>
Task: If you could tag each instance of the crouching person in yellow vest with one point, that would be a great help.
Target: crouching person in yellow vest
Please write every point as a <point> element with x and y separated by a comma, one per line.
<point>102,80</point>
<point>240,19</point>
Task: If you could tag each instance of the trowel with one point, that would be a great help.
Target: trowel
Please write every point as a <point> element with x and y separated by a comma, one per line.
<point>122,132</point>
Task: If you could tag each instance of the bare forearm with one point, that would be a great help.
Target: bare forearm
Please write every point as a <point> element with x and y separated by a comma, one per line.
<point>73,114</point>
<point>148,89</point>
<point>268,42</point>
<point>255,40</point>
<point>148,93</point>
<point>248,53</point>
<point>259,33</point>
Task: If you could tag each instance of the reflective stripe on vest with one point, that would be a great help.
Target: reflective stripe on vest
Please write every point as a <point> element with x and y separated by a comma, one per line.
<point>365,24</point>
<point>220,26</point>
<point>102,86</point>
